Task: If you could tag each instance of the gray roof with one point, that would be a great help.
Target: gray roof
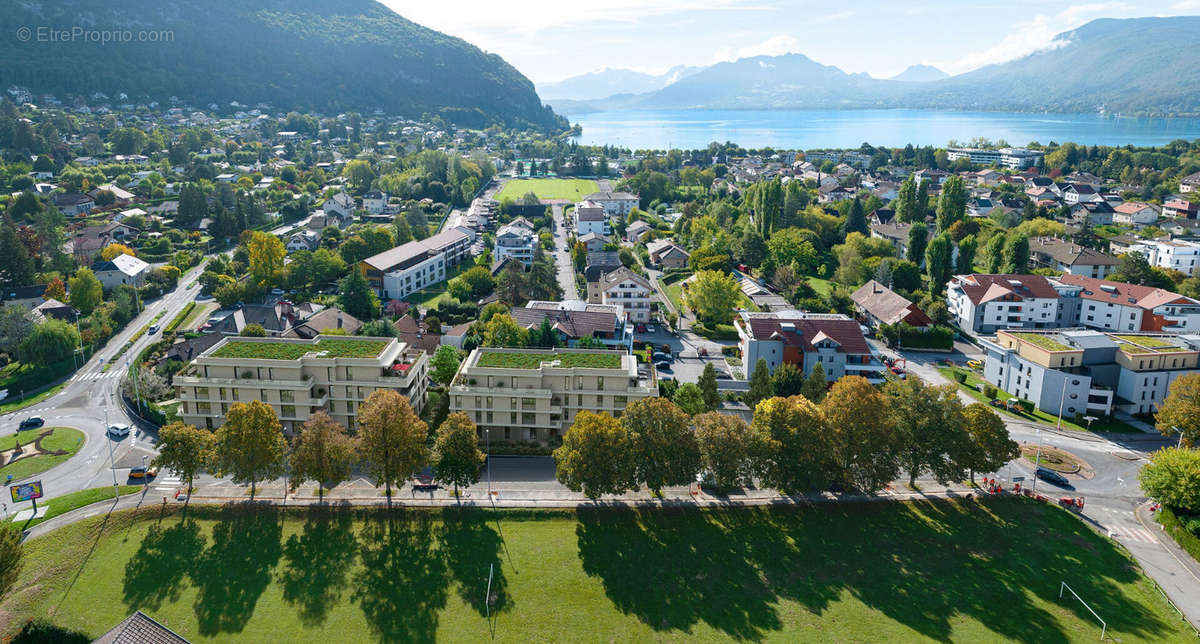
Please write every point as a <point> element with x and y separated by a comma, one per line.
<point>140,628</point>
<point>1070,253</point>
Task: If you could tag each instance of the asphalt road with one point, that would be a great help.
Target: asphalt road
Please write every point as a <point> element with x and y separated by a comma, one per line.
<point>562,257</point>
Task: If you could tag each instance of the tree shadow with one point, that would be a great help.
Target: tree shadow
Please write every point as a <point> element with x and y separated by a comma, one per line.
<point>235,570</point>
<point>318,563</point>
<point>159,569</point>
<point>472,549</point>
<point>403,580</point>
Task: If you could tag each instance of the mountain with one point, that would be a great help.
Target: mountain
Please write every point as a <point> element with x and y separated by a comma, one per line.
<point>608,82</point>
<point>1118,66</point>
<point>322,55</point>
<point>920,74</point>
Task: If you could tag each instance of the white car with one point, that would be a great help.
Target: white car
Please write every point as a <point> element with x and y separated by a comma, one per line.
<point>649,328</point>
<point>118,431</point>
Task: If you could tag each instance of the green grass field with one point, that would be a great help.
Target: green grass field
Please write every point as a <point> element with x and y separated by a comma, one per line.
<point>548,189</point>
<point>871,572</point>
<point>65,439</point>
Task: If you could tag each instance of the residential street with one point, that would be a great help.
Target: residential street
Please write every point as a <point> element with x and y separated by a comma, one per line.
<point>562,257</point>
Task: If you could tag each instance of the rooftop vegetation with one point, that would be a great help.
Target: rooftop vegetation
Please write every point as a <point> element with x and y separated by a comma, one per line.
<point>1044,341</point>
<point>282,350</point>
<point>528,360</point>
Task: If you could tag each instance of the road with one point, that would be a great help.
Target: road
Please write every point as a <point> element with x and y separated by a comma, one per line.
<point>562,257</point>
<point>90,394</point>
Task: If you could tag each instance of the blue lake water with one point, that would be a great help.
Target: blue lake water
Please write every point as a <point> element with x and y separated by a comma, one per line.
<point>809,129</point>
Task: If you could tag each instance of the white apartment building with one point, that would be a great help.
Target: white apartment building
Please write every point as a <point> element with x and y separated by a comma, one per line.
<point>535,394</point>
<point>1015,158</point>
<point>630,292</point>
<point>614,203</point>
<point>1177,254</point>
<point>983,304</point>
<point>516,239</point>
<point>298,378</point>
<point>408,268</point>
<point>805,340</point>
<point>590,217</point>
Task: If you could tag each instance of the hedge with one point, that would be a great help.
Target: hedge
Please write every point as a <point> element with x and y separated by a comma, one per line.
<point>938,337</point>
<point>1173,525</point>
<point>515,448</point>
<point>178,319</point>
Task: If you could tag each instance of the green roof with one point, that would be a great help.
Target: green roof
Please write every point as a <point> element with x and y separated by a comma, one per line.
<point>1043,341</point>
<point>1147,342</point>
<point>529,360</point>
<point>281,350</point>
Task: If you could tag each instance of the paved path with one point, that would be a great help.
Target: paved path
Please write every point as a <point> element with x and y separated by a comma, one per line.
<point>562,256</point>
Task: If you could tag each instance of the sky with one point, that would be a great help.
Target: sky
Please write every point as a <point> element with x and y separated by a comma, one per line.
<point>549,40</point>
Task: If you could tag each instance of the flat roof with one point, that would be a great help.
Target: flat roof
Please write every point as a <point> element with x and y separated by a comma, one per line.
<point>517,359</point>
<point>290,349</point>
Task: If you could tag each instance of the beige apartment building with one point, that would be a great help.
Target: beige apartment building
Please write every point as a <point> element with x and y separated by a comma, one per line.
<point>534,394</point>
<point>298,377</point>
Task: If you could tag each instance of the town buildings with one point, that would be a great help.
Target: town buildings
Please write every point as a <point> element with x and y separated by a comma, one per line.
<point>1176,254</point>
<point>1014,158</point>
<point>535,394</point>
<point>516,239</point>
<point>590,217</point>
<point>614,203</point>
<point>880,305</point>
<point>666,254</point>
<point>629,292</point>
<point>805,340</point>
<point>574,320</point>
<point>1069,257</point>
<point>982,304</point>
<point>298,378</point>
<point>122,269</point>
<point>408,268</point>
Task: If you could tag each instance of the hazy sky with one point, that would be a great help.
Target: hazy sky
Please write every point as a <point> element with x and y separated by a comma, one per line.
<point>550,40</point>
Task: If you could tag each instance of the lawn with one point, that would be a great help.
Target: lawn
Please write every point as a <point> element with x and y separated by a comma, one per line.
<point>822,287</point>
<point>75,500</point>
<point>1038,416</point>
<point>548,189</point>
<point>432,296</point>
<point>334,348</point>
<point>525,360</point>
<point>872,572</point>
<point>65,441</point>
<point>20,403</point>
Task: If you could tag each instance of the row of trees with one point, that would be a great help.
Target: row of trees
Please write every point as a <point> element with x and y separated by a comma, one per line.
<point>391,444</point>
<point>856,439</point>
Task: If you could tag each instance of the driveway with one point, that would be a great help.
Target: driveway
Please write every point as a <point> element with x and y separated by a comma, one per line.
<point>562,256</point>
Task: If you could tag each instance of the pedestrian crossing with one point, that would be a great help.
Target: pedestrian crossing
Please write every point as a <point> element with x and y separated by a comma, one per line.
<point>96,375</point>
<point>1137,534</point>
<point>167,483</point>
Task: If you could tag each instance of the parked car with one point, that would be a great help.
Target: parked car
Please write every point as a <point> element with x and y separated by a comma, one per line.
<point>663,366</point>
<point>649,328</point>
<point>721,375</point>
<point>118,431</point>
<point>659,356</point>
<point>424,477</point>
<point>974,364</point>
<point>1052,477</point>
<point>640,328</point>
<point>33,422</point>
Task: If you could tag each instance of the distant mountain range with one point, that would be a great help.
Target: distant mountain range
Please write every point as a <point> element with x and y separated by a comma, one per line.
<point>323,55</point>
<point>1118,66</point>
<point>920,74</point>
<point>607,82</point>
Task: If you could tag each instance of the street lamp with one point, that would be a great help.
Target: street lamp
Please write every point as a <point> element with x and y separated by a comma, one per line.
<point>112,464</point>
<point>1178,443</point>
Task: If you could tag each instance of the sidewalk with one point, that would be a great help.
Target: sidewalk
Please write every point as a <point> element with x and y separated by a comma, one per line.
<point>1181,586</point>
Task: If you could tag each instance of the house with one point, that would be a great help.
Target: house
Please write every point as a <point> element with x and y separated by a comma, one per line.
<point>122,269</point>
<point>1135,213</point>
<point>299,377</point>
<point>630,292</point>
<point>131,212</point>
<point>26,297</point>
<point>982,304</point>
<point>1097,213</point>
<point>73,203</point>
<point>416,334</point>
<point>455,335</point>
<point>340,204</point>
<point>832,193</point>
<point>590,217</point>
<point>896,232</point>
<point>614,203</point>
<point>575,320</point>
<point>323,321</point>
<point>122,197</point>
<point>805,340</point>
<point>535,394</point>
<point>1190,183</point>
<point>52,308</point>
<point>516,239</point>
<point>140,628</point>
<point>985,177</point>
<point>599,263</point>
<point>90,240</point>
<point>1181,208</point>
<point>635,231</point>
<point>1069,257</point>
<point>881,216</point>
<point>666,254</point>
<point>881,305</point>
<point>1175,254</point>
<point>593,242</point>
<point>375,202</point>
<point>303,240</point>
<point>1073,193</point>
<point>274,318</point>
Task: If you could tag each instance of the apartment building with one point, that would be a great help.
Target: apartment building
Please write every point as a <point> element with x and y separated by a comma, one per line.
<point>516,239</point>
<point>1116,306</point>
<point>1084,372</point>
<point>575,320</point>
<point>590,217</point>
<point>410,267</point>
<point>983,304</point>
<point>1177,254</point>
<point>299,377</point>
<point>629,292</point>
<point>1015,158</point>
<point>805,340</point>
<point>614,203</point>
<point>1069,257</point>
<point>535,394</point>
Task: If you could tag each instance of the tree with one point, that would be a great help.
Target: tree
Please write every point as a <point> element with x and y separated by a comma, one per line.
<point>713,295</point>
<point>988,444</point>
<point>479,280</point>
<point>952,204</point>
<point>266,257</point>
<point>404,232</point>
<point>815,386</point>
<point>323,452</point>
<point>906,202</point>
<point>761,387</point>
<point>1016,254</point>
<point>708,387</point>
<point>1173,478</point>
<point>86,291</point>
<point>253,330</point>
<point>865,444</point>
<point>49,342</point>
<point>360,173</point>
<point>503,331</point>
<point>16,325</point>
<point>1180,412</point>
<point>728,449</point>
<point>184,449</point>
<point>752,248</point>
<point>356,297</point>
<point>18,267</point>
<point>787,381</point>
<point>250,447</point>
<point>55,290</point>
<point>456,455</point>
<point>918,238</point>
<point>193,205</point>
<point>11,555</point>
<point>146,384</point>
<point>689,398</point>
<point>596,456</point>
<point>444,364</point>
<point>995,253</point>
<point>939,262</point>
<point>391,438</point>
<point>796,446</point>
<point>932,426</point>
<point>967,246</point>
<point>665,448</point>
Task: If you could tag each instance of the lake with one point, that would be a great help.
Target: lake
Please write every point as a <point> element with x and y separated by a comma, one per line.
<point>811,129</point>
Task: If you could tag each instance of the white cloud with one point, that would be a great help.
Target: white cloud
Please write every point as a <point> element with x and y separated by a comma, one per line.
<point>773,46</point>
<point>1186,5</point>
<point>1035,35</point>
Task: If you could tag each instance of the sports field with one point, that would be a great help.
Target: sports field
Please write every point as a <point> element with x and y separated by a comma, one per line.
<point>869,572</point>
<point>548,189</point>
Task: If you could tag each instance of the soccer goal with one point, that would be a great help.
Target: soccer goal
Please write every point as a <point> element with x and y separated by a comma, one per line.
<point>1103,624</point>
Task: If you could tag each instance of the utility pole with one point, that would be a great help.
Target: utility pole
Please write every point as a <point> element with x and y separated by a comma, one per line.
<point>111,462</point>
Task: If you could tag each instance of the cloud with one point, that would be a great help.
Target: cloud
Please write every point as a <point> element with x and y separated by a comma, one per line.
<point>1186,5</point>
<point>1035,35</point>
<point>773,46</point>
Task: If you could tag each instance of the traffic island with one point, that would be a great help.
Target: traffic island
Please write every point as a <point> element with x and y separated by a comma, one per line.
<point>1059,460</point>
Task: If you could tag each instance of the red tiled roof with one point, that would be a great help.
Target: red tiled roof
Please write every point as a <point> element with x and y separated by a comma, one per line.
<point>1145,297</point>
<point>985,288</point>
<point>845,332</point>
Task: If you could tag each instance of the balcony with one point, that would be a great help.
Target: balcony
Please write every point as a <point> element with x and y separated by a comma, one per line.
<point>251,383</point>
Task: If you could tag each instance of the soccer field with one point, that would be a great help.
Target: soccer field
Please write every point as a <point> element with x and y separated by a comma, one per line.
<point>548,189</point>
<point>863,572</point>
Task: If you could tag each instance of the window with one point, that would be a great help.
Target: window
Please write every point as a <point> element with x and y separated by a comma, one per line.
<point>489,417</point>
<point>600,382</point>
<point>619,401</point>
<point>288,410</point>
<point>507,433</point>
<point>528,419</point>
<point>287,396</point>
<point>528,403</point>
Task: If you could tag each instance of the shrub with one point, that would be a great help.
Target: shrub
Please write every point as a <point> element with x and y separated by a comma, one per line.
<point>990,391</point>
<point>960,376</point>
<point>1026,406</point>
